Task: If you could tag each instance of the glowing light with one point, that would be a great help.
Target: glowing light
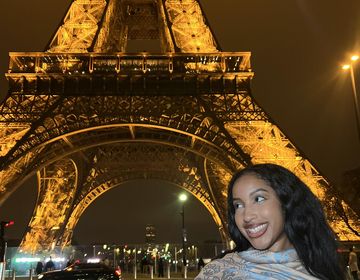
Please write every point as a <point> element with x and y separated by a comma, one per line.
<point>354,57</point>
<point>26,260</point>
<point>56,259</point>
<point>183,197</point>
<point>346,67</point>
<point>93,260</point>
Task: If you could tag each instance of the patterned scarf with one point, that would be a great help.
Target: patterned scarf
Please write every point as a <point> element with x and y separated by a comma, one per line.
<point>256,265</point>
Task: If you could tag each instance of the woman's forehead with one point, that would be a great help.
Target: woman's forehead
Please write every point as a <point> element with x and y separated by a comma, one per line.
<point>248,183</point>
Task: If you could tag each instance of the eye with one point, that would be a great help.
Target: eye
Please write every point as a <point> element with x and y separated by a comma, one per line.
<point>259,199</point>
<point>238,205</point>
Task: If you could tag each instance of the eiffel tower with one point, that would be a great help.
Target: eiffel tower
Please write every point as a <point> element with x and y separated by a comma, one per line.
<point>87,115</point>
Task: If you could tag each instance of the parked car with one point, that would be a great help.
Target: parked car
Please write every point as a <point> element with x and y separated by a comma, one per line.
<point>83,271</point>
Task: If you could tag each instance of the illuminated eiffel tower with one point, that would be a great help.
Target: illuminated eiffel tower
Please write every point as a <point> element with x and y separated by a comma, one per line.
<point>87,115</point>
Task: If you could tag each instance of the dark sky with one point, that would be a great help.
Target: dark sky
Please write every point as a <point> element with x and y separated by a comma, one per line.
<point>297,50</point>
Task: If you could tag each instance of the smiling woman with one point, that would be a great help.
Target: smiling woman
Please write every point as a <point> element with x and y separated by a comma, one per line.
<point>258,214</point>
<point>279,229</point>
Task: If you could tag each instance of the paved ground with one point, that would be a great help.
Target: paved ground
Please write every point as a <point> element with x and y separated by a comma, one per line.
<point>177,276</point>
<point>126,276</point>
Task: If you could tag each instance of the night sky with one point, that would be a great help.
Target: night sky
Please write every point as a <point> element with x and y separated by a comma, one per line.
<point>297,50</point>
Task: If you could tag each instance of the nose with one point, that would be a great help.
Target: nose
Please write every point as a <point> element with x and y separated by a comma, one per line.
<point>249,214</point>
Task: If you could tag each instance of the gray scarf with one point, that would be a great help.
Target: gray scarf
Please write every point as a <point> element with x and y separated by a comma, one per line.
<point>257,265</point>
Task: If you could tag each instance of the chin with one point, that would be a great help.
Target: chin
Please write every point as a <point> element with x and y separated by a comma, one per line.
<point>260,247</point>
<point>265,248</point>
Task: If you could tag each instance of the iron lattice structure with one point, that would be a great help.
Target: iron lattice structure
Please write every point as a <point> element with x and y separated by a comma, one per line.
<point>87,116</point>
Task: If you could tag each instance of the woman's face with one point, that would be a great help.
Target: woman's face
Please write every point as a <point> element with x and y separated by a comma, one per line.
<point>258,214</point>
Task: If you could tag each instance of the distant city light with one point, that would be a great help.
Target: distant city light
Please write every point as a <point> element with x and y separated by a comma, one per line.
<point>26,260</point>
<point>58,259</point>
<point>36,259</point>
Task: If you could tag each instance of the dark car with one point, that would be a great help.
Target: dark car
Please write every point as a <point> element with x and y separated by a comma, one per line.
<point>83,271</point>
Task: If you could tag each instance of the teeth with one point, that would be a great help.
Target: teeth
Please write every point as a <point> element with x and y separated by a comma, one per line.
<point>256,229</point>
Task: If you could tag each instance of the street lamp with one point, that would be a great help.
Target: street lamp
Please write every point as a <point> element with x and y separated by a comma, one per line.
<point>352,76</point>
<point>183,198</point>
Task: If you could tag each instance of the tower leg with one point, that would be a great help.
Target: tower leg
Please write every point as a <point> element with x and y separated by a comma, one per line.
<point>57,187</point>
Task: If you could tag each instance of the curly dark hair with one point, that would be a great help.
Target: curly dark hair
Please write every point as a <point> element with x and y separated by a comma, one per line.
<point>305,222</point>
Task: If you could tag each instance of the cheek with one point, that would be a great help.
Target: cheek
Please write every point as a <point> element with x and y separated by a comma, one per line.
<point>280,219</point>
<point>238,220</point>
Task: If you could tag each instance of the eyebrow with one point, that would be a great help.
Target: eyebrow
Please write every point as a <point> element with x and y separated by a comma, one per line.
<point>258,190</point>
<point>253,192</point>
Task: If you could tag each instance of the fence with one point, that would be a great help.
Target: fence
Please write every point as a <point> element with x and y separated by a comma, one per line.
<point>138,260</point>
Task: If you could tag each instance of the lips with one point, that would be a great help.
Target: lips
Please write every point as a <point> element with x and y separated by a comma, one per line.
<point>254,231</point>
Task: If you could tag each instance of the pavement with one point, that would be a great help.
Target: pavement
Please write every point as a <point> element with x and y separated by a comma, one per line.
<point>125,276</point>
<point>178,276</point>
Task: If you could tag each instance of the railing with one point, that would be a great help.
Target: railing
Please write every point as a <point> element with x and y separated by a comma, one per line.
<point>135,259</point>
<point>124,63</point>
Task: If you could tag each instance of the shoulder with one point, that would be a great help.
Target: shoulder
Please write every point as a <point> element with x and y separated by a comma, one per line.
<point>218,268</point>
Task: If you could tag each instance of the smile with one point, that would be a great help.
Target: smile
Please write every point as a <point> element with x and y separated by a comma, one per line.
<point>256,231</point>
